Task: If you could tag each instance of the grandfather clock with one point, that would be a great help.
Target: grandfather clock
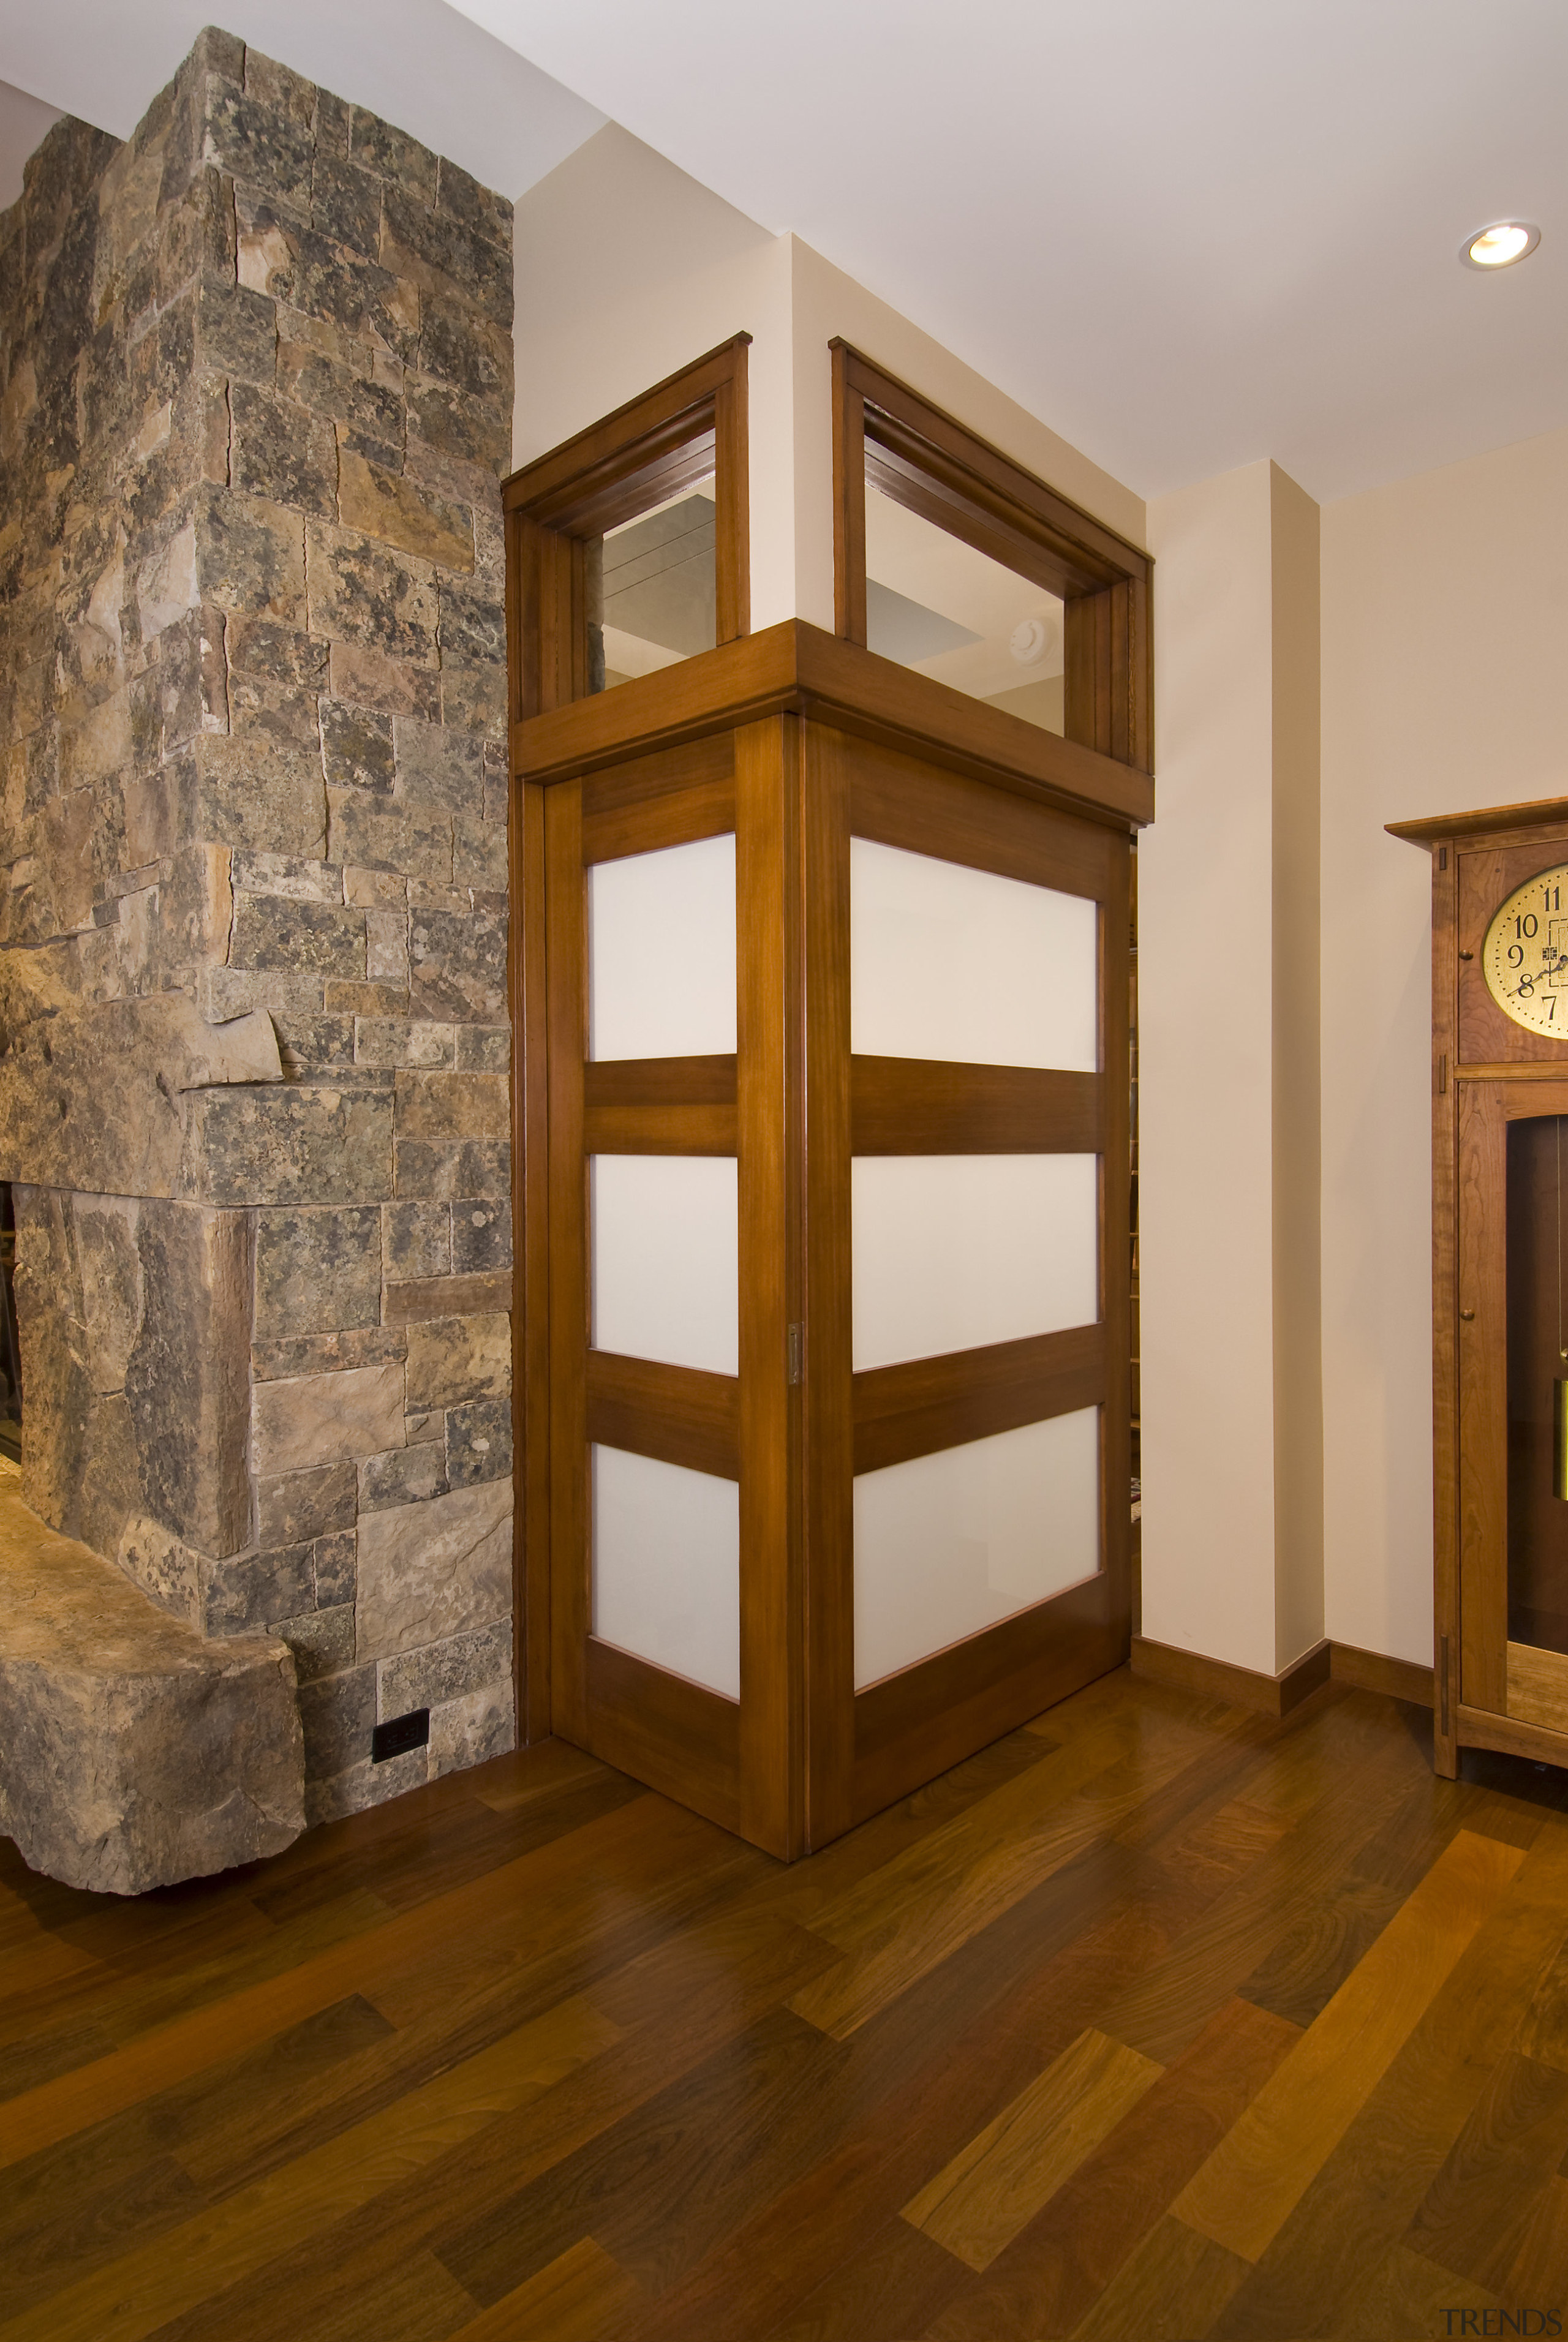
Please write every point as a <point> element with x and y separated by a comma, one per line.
<point>1500,1276</point>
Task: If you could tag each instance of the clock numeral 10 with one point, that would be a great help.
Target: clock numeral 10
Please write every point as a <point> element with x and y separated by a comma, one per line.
<point>1526,924</point>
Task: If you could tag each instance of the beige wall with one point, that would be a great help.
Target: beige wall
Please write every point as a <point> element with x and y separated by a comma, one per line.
<point>627,270</point>
<point>1227,920</point>
<point>1445,613</point>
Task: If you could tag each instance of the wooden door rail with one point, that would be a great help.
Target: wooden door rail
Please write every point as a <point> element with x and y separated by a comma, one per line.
<point>678,1415</point>
<point>922,1404</point>
<point>916,1106</point>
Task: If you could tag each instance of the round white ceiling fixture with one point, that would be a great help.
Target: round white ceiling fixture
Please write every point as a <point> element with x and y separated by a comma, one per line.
<point>1027,641</point>
<point>1500,244</point>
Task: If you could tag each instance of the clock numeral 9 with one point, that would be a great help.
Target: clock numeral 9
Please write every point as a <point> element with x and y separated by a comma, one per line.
<point>1516,955</point>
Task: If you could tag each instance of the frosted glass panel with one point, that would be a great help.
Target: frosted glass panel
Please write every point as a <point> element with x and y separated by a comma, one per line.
<point>954,1251</point>
<point>665,1281</point>
<point>948,962</point>
<point>661,953</point>
<point>667,1566</point>
<point>951,1543</point>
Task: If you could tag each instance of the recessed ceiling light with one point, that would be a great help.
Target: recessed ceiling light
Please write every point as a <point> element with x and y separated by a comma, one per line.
<point>1500,245</point>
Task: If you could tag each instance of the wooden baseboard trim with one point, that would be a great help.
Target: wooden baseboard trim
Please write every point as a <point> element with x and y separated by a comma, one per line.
<point>1194,1671</point>
<point>1376,1671</point>
<point>1242,1686</point>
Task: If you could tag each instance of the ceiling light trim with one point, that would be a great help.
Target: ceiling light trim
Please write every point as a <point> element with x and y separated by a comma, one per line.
<point>1490,265</point>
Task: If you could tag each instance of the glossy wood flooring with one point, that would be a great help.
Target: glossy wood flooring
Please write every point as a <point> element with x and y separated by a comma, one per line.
<point>1156,2020</point>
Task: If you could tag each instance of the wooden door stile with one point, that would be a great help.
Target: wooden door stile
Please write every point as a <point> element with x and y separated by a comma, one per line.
<point>530,1220</point>
<point>1115,1235</point>
<point>566,947</point>
<point>828,1456</point>
<point>766,850</point>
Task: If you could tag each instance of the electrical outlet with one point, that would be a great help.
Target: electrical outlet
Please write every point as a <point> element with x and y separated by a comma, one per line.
<point>400,1733</point>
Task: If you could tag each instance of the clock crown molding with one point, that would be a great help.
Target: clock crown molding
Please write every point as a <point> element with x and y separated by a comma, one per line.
<point>1544,813</point>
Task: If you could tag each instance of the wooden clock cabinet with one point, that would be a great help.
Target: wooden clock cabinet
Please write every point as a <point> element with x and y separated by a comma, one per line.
<point>1500,1261</point>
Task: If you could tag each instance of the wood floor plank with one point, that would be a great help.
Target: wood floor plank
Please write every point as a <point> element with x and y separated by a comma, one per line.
<point>572,2299</point>
<point>1473,2217</point>
<point>910,1917</point>
<point>996,2183</point>
<point>1256,2176</point>
<point>1171,2289</point>
<point>1539,2273</point>
<point>883,2293</point>
<point>1361,2203</point>
<point>1066,2257</point>
<point>143,2290</point>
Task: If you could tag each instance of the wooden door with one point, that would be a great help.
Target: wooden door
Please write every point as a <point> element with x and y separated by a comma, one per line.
<point>881,1402</point>
<point>1512,1533</point>
<point>670,1204</point>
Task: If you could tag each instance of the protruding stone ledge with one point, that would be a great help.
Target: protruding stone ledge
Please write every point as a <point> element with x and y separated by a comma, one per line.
<point>133,1753</point>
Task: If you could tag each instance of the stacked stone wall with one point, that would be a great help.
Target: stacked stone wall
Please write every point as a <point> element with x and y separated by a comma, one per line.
<point>255,389</point>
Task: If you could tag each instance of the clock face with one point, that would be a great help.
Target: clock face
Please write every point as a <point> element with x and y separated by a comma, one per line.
<point>1525,956</point>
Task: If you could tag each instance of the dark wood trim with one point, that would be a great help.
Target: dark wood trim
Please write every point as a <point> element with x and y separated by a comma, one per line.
<point>569,1493</point>
<point>923,1404</point>
<point>928,461</point>
<point>648,450</point>
<point>1376,1671</point>
<point>1478,1727</point>
<point>679,1737</point>
<point>794,667</point>
<point>677,1414</point>
<point>827,1445</point>
<point>1446,1530</point>
<point>1195,1671</point>
<point>659,1106</point>
<point>531,1290</point>
<point>1542,812</point>
<point>766,860</point>
<point>918,1105</point>
<point>671,798</point>
<point>848,500</point>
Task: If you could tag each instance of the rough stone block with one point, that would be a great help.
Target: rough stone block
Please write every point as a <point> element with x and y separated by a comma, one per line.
<point>345,203</point>
<point>303,1506</point>
<point>317,1271</point>
<point>394,510</point>
<point>473,623</point>
<point>328,1354</point>
<point>265,648</point>
<point>479,1443</point>
<point>261,794</point>
<point>356,744</point>
<point>186,1380</point>
<point>486,213</point>
<point>417,1239</point>
<point>283,451</point>
<point>481,1236</point>
<point>399,1041</point>
<point>132,1754</point>
<point>268,145</point>
<point>392,155</point>
<point>369,834</point>
<point>386,947</point>
<point>337,1569</point>
<point>322,1641</point>
<point>444,1170</point>
<point>439,768</point>
<point>431,1570</point>
<point>113,1286</point>
<point>407,1303</point>
<point>483,1049</point>
<point>295,878</point>
<point>250,554</point>
<point>337,1715</point>
<point>328,1418</point>
<point>452,1106</point>
<point>359,1786</point>
<point>437,249</point>
<point>234,329</point>
<point>445,1671</point>
<point>363,592</point>
<point>247,1591</point>
<point>472,1730</point>
<point>272,932</point>
<point>368,678</point>
<point>458,966</point>
<point>470,430</point>
<point>453,1359</point>
<point>480,854</point>
<point>291,1144</point>
<point>473,698</point>
<point>403,1476</point>
<point>167,1570</point>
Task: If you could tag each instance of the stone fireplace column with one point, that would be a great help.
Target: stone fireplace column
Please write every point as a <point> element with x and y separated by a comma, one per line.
<point>255,390</point>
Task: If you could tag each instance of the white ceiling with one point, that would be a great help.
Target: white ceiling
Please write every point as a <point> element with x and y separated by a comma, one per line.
<point>1184,235</point>
<point>1187,235</point>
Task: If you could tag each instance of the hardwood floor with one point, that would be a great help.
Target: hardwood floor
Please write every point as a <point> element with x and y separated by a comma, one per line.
<point>1157,2019</point>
